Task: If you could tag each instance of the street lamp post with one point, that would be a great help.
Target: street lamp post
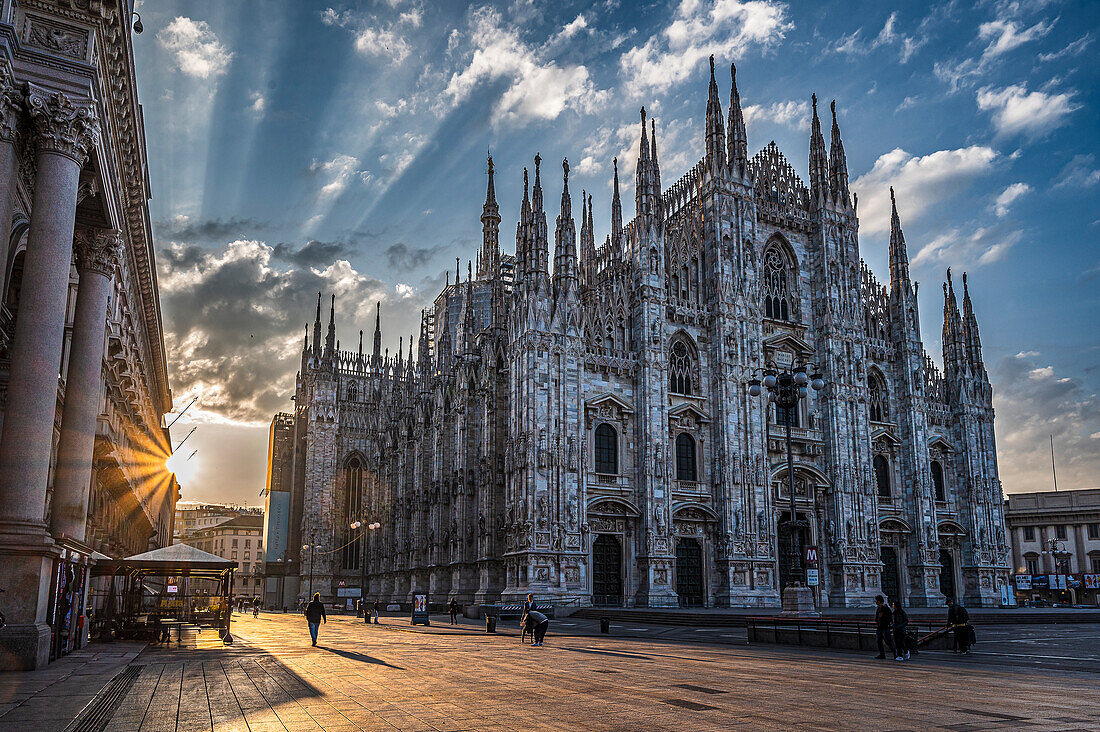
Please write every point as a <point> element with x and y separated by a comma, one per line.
<point>787,387</point>
<point>311,547</point>
<point>363,564</point>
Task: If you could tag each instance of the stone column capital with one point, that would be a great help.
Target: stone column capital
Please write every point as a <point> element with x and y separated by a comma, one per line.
<point>97,250</point>
<point>62,125</point>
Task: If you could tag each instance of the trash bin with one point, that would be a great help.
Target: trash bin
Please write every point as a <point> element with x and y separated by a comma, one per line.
<point>490,624</point>
<point>605,625</point>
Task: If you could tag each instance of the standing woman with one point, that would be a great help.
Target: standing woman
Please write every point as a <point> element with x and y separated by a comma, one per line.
<point>901,625</point>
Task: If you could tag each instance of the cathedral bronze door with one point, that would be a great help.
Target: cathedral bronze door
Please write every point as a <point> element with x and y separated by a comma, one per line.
<point>786,550</point>
<point>890,581</point>
<point>947,574</point>
<point>607,571</point>
<point>689,573</point>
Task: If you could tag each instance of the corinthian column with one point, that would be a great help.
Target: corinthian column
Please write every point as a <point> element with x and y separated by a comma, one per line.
<point>97,253</point>
<point>64,133</point>
<point>9,114</point>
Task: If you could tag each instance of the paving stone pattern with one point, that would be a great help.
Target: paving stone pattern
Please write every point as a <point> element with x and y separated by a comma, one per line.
<point>443,678</point>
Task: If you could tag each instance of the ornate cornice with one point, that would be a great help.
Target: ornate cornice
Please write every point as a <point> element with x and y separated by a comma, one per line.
<point>97,250</point>
<point>62,126</point>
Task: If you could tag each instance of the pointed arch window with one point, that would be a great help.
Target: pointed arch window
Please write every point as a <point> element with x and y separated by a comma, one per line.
<point>683,368</point>
<point>685,458</point>
<point>354,473</point>
<point>607,450</point>
<point>878,398</point>
<point>353,392</point>
<point>779,300</point>
<point>882,476</point>
<point>937,481</point>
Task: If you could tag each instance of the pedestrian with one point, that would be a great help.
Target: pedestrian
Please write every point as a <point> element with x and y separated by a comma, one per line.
<point>901,626</point>
<point>315,613</point>
<point>539,623</point>
<point>256,606</point>
<point>958,620</point>
<point>524,626</point>
<point>452,608</point>
<point>377,609</point>
<point>884,633</point>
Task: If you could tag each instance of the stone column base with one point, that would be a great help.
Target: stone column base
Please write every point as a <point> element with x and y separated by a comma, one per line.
<point>27,559</point>
<point>798,601</point>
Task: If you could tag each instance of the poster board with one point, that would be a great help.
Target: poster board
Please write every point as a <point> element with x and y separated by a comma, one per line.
<point>420,609</point>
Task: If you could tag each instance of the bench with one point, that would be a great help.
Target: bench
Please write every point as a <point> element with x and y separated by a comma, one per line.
<point>856,635</point>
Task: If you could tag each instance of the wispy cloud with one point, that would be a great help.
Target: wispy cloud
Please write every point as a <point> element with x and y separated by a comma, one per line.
<point>789,113</point>
<point>1080,172</point>
<point>725,28</point>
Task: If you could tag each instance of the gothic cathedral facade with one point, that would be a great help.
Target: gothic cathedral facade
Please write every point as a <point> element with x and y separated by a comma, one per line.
<point>585,433</point>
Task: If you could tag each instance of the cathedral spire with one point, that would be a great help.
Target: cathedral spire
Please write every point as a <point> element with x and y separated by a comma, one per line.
<point>819,162</point>
<point>838,163</point>
<point>953,355</point>
<point>970,331</point>
<point>716,134</point>
<point>738,153</point>
<point>489,259</point>
<point>616,208</point>
<point>540,266</point>
<point>377,355</point>
<point>317,329</point>
<point>330,340</point>
<point>645,199</point>
<point>588,243</point>
<point>899,257</point>
<point>565,242</point>
<point>522,230</point>
<point>359,360</point>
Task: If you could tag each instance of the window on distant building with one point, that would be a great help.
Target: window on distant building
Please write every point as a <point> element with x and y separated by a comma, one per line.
<point>1032,564</point>
<point>1029,533</point>
<point>1094,564</point>
<point>1060,531</point>
<point>248,555</point>
<point>685,457</point>
<point>937,481</point>
<point>234,557</point>
<point>247,543</point>
<point>882,476</point>
<point>1094,531</point>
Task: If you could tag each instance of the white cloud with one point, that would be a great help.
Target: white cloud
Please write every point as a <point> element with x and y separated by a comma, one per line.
<point>1080,172</point>
<point>1003,36</point>
<point>1034,401</point>
<point>853,44</point>
<point>1015,110</point>
<point>197,51</point>
<point>1008,195</point>
<point>919,181</point>
<point>790,113</point>
<point>976,248</point>
<point>339,171</point>
<point>725,28</point>
<point>372,39</point>
<point>259,102</point>
<point>539,88</point>
<point>1073,49</point>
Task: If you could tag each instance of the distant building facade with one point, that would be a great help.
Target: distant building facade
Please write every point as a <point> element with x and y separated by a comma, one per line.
<point>83,376</point>
<point>191,517</point>
<point>586,433</point>
<point>239,539</point>
<point>280,570</point>
<point>1056,534</point>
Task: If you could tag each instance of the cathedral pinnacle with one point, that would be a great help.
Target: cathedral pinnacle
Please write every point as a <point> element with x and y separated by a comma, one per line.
<point>819,163</point>
<point>738,153</point>
<point>616,207</point>
<point>899,257</point>
<point>838,163</point>
<point>317,329</point>
<point>330,340</point>
<point>716,134</point>
<point>565,242</point>
<point>377,333</point>
<point>488,260</point>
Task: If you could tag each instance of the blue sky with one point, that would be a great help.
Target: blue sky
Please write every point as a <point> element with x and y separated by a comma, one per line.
<point>298,146</point>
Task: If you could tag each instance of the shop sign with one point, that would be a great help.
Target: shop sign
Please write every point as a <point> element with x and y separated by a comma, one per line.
<point>1040,582</point>
<point>812,578</point>
<point>347,592</point>
<point>1092,581</point>
<point>1023,582</point>
<point>1058,582</point>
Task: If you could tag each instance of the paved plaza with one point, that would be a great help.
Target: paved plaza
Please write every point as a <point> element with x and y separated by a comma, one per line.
<point>444,678</point>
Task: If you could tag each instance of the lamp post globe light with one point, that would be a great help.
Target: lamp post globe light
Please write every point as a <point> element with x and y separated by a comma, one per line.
<point>374,526</point>
<point>788,387</point>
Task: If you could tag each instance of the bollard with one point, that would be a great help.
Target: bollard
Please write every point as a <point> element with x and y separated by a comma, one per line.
<point>490,624</point>
<point>605,625</point>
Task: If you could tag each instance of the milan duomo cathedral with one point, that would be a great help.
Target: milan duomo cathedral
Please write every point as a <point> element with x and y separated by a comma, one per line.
<point>586,432</point>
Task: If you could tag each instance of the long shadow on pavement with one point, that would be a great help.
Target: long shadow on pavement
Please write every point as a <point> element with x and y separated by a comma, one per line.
<point>359,657</point>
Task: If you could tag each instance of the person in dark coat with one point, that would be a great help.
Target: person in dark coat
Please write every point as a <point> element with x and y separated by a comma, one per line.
<point>884,632</point>
<point>525,626</point>
<point>315,613</point>
<point>958,619</point>
<point>452,608</point>
<point>539,622</point>
<point>901,625</point>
